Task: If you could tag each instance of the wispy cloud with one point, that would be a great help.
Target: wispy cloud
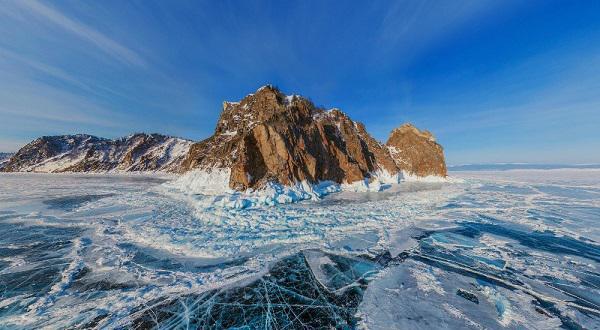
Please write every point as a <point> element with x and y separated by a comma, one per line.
<point>26,98</point>
<point>46,69</point>
<point>104,43</point>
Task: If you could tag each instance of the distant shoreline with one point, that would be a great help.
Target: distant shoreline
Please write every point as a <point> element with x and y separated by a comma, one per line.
<point>517,166</point>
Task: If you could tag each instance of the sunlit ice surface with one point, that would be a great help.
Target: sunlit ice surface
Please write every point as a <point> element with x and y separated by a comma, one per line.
<point>510,249</point>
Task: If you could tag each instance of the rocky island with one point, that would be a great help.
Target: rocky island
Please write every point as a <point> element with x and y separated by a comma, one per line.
<point>264,138</point>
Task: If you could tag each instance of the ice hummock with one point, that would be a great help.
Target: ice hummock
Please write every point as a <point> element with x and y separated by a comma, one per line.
<point>214,184</point>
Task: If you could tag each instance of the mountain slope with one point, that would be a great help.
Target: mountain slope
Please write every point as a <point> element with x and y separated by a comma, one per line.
<point>87,153</point>
<point>4,157</point>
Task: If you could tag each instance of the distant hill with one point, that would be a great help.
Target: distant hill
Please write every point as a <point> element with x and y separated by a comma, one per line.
<point>87,153</point>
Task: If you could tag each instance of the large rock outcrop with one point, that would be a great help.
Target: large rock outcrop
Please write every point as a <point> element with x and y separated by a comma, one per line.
<point>416,152</point>
<point>269,136</point>
<point>87,153</point>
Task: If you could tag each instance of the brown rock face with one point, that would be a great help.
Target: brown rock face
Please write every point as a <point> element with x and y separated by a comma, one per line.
<point>268,136</point>
<point>416,151</point>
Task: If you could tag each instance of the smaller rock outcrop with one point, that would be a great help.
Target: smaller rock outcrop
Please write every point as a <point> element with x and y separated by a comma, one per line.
<point>416,152</point>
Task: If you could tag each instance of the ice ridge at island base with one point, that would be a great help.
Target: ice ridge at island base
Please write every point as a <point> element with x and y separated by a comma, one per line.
<point>211,188</point>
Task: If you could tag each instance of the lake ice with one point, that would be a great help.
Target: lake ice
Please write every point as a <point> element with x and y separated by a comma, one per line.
<point>504,249</point>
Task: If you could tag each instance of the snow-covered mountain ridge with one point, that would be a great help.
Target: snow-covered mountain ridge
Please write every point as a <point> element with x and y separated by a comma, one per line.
<point>87,153</point>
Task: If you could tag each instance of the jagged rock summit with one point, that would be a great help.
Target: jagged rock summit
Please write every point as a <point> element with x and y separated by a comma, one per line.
<point>87,153</point>
<point>272,137</point>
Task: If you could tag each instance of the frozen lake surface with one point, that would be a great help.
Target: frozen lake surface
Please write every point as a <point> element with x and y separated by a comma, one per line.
<point>508,249</point>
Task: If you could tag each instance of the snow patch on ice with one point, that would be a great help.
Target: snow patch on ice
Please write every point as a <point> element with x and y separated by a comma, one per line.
<point>503,307</point>
<point>379,180</point>
<point>426,280</point>
<point>460,315</point>
<point>409,177</point>
<point>67,277</point>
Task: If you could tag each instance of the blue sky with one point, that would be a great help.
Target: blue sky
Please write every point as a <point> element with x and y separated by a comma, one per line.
<point>495,81</point>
